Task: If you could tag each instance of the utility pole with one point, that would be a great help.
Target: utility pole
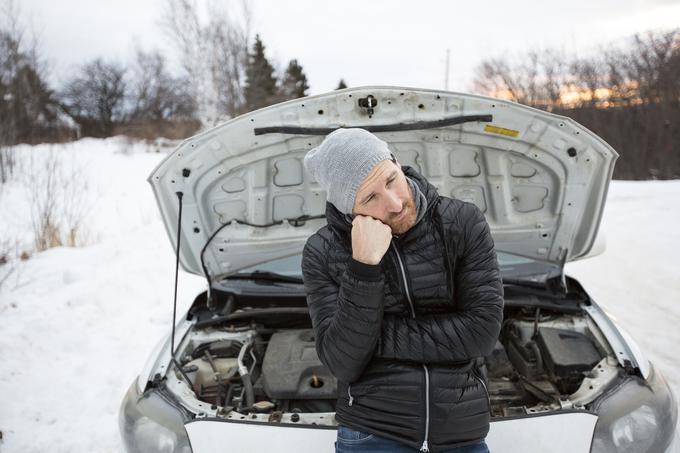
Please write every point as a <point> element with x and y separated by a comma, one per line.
<point>446,70</point>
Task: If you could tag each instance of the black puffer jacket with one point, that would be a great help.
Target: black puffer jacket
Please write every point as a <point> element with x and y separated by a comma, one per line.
<point>406,337</point>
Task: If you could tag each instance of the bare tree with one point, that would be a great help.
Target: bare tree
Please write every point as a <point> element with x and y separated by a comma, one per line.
<point>536,78</point>
<point>74,204</point>
<point>41,182</point>
<point>650,65</point>
<point>95,97</point>
<point>154,94</point>
<point>213,54</point>
<point>231,40</point>
<point>57,194</point>
<point>555,72</point>
<point>585,79</point>
<point>628,93</point>
<point>514,80</point>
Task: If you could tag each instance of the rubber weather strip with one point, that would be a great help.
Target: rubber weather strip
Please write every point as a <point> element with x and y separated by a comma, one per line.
<point>418,125</point>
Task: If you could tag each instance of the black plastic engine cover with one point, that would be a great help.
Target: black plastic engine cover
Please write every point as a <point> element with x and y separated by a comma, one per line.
<point>566,353</point>
<point>291,369</point>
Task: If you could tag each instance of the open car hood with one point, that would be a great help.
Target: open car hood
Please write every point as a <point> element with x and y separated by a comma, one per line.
<point>540,179</point>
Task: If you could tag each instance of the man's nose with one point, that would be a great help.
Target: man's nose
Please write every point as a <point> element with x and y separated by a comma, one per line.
<point>395,204</point>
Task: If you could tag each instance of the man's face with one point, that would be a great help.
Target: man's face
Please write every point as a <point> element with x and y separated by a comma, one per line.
<point>385,195</point>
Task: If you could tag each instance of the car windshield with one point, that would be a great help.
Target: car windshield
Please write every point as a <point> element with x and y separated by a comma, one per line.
<point>510,264</point>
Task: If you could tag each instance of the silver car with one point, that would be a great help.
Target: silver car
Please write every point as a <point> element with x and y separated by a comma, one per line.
<point>239,371</point>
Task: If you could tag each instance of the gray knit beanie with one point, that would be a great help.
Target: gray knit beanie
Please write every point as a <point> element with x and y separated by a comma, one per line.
<point>342,161</point>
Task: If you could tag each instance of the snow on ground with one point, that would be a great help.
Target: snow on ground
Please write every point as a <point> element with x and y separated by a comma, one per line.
<point>637,278</point>
<point>79,323</point>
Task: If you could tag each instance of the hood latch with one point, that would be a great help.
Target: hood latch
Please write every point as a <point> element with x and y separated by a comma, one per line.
<point>368,103</point>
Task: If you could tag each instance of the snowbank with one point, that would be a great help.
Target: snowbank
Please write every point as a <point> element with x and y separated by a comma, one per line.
<point>78,323</point>
<point>636,278</point>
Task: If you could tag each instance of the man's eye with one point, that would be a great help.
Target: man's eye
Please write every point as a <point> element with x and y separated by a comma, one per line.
<point>390,182</point>
<point>368,199</point>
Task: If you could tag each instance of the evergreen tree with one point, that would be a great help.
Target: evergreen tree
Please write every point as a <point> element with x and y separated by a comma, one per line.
<point>294,83</point>
<point>27,105</point>
<point>341,85</point>
<point>260,90</point>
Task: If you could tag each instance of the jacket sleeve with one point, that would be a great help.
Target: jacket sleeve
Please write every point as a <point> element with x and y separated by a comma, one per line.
<point>346,318</point>
<point>473,329</point>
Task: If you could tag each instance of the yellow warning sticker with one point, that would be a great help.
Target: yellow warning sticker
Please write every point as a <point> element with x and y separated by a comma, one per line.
<point>501,130</point>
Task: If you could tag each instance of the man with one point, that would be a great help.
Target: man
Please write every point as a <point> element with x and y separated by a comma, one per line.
<point>406,299</point>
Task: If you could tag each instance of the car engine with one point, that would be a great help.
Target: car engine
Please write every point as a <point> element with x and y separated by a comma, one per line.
<point>283,372</point>
<point>544,360</point>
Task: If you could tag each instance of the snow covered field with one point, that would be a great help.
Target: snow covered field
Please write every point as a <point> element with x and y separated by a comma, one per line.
<point>78,323</point>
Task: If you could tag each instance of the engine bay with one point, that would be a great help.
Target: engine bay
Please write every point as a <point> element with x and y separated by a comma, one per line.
<point>249,365</point>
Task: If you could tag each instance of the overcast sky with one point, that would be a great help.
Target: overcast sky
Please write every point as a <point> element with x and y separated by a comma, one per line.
<point>363,41</point>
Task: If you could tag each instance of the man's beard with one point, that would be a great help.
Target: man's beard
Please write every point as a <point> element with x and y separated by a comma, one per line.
<point>402,225</point>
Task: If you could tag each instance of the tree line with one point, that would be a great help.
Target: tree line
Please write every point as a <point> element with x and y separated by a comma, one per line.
<point>223,72</point>
<point>627,93</point>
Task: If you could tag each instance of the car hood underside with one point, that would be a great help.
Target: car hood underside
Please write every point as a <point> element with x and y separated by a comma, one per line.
<point>540,179</point>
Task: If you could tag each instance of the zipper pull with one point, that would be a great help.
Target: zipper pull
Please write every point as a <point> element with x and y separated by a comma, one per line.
<point>424,447</point>
<point>351,399</point>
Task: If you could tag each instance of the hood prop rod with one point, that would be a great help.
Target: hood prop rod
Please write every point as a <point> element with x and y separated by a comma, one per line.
<point>174,305</point>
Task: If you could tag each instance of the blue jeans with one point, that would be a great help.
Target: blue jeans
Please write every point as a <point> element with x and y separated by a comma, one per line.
<point>352,441</point>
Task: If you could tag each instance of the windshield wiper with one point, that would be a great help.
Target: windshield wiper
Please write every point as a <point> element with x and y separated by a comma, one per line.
<point>527,281</point>
<point>264,275</point>
<point>253,313</point>
<point>547,286</point>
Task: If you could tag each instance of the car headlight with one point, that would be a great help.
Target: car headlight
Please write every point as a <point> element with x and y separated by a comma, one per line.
<point>639,416</point>
<point>150,424</point>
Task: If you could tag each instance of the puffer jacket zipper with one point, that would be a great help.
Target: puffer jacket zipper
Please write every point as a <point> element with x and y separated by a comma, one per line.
<point>351,398</point>
<point>486,390</point>
<point>424,447</point>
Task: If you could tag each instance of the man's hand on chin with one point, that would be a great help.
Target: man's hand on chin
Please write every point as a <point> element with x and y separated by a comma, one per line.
<point>370,239</point>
